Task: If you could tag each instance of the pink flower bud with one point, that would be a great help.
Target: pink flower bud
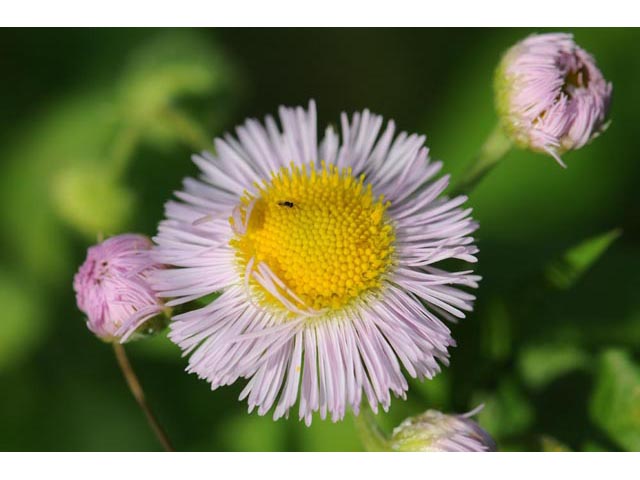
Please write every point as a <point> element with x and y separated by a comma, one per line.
<point>550,95</point>
<point>112,288</point>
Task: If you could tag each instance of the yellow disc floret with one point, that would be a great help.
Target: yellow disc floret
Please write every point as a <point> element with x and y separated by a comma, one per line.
<point>320,232</point>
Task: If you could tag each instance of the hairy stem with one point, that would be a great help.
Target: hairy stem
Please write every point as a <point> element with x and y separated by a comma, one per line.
<point>372,437</point>
<point>136,389</point>
<point>494,148</point>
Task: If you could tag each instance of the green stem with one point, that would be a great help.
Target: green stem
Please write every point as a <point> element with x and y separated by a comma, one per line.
<point>494,148</point>
<point>371,435</point>
<point>136,390</point>
<point>189,131</point>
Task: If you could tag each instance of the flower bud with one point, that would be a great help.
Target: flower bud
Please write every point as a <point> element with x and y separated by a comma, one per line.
<point>112,287</point>
<point>434,431</point>
<point>550,95</point>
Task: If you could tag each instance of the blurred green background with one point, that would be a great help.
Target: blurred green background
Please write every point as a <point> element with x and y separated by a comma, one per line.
<point>97,128</point>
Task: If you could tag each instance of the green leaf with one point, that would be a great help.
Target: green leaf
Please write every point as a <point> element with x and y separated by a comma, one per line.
<point>567,270</point>
<point>541,364</point>
<point>99,129</point>
<point>615,403</point>
<point>172,68</point>
<point>91,201</point>
<point>603,310</point>
<point>69,134</point>
<point>171,65</point>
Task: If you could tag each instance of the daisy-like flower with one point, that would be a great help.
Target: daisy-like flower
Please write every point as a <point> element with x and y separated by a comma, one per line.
<point>324,254</point>
<point>550,95</point>
<point>434,431</point>
<point>112,287</point>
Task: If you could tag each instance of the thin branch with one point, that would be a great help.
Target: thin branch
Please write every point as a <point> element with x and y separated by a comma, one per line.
<point>138,394</point>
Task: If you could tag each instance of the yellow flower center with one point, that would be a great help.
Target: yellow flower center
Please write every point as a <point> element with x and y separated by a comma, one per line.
<point>320,233</point>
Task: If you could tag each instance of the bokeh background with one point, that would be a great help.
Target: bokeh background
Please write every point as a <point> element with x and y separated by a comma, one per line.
<point>96,131</point>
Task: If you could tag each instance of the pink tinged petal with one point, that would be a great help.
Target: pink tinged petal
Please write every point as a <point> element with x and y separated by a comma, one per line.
<point>324,372</point>
<point>329,359</point>
<point>335,350</point>
<point>113,289</point>
<point>551,96</point>
<point>213,172</point>
<point>433,431</point>
<point>289,394</point>
<point>309,395</point>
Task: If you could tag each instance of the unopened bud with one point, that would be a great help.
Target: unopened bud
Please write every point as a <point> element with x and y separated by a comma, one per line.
<point>550,95</point>
<point>112,287</point>
<point>434,431</point>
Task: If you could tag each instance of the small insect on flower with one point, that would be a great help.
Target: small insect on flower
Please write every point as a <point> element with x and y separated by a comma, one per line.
<point>434,431</point>
<point>550,95</point>
<point>112,287</point>
<point>324,254</point>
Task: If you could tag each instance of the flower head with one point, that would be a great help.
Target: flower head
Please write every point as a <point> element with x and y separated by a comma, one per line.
<point>324,254</point>
<point>550,95</point>
<point>434,431</point>
<point>112,287</point>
